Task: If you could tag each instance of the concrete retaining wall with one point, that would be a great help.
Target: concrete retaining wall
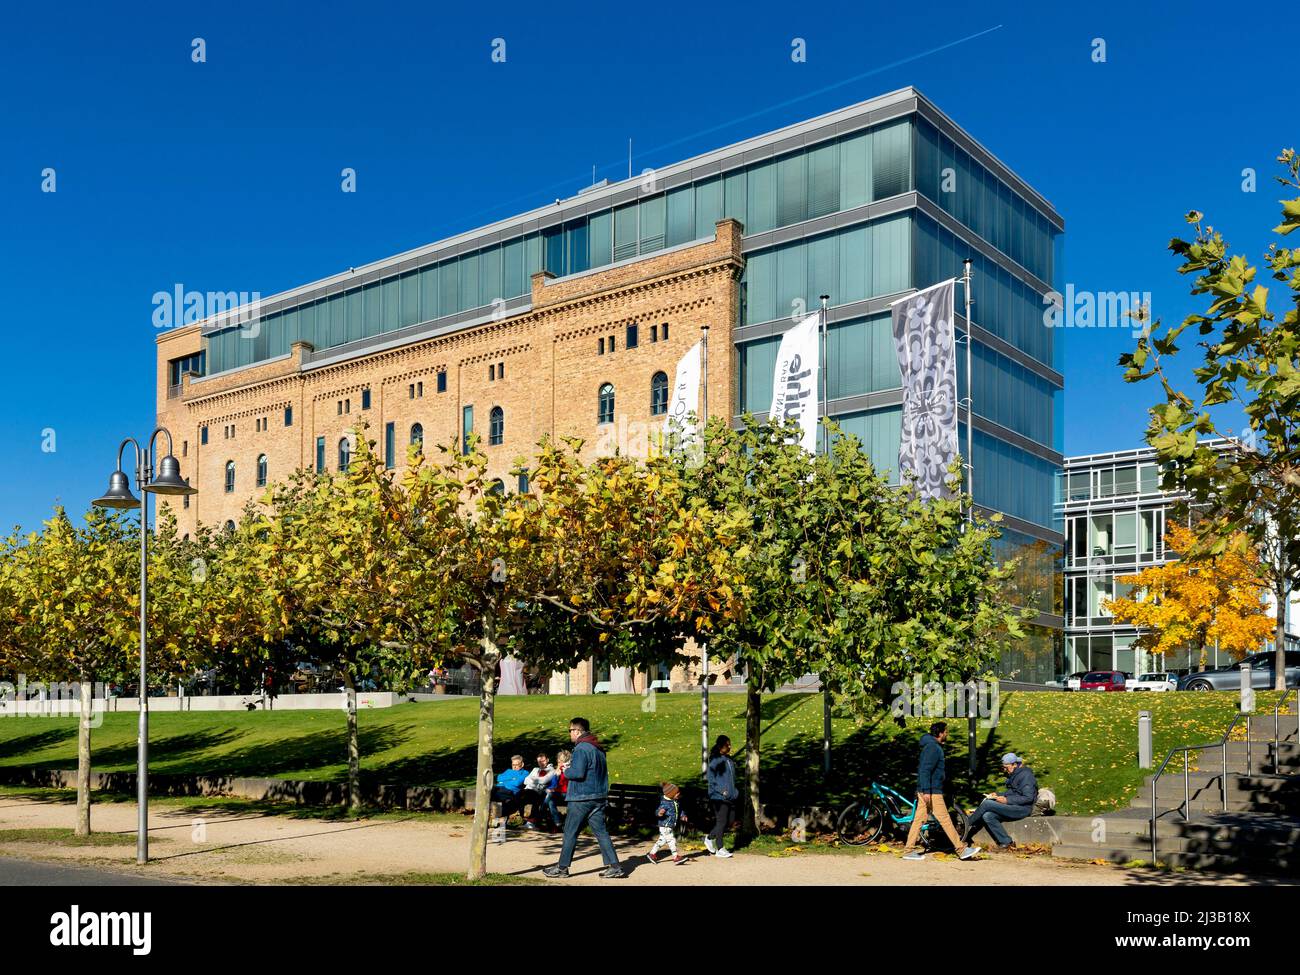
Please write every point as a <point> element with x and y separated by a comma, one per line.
<point>223,702</point>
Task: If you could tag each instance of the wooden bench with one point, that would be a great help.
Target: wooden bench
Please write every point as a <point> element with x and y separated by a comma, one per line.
<point>635,805</point>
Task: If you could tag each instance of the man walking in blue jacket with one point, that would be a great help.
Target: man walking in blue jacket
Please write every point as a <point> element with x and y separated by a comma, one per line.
<point>930,775</point>
<point>1016,802</point>
<point>588,780</point>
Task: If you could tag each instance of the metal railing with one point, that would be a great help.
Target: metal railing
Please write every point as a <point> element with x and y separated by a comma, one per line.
<point>1222,743</point>
<point>1276,739</point>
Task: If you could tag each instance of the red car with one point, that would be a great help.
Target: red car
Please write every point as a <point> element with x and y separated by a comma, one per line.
<point>1102,680</point>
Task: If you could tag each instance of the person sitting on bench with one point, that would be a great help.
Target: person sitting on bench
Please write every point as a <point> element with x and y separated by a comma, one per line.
<point>1016,802</point>
<point>509,790</point>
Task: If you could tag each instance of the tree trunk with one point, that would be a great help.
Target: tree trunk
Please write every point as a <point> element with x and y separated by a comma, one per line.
<point>1200,657</point>
<point>354,745</point>
<point>753,814</point>
<point>478,838</point>
<point>1279,636</point>
<point>83,760</point>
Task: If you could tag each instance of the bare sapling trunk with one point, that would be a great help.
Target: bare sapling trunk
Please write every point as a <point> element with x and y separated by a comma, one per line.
<point>489,655</point>
<point>1279,635</point>
<point>752,819</point>
<point>83,759</point>
<point>354,745</point>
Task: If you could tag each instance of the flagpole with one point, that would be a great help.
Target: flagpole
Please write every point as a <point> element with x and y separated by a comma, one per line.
<point>704,648</point>
<point>972,735</point>
<point>826,415</point>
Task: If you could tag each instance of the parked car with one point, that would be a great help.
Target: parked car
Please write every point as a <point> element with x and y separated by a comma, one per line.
<point>1103,680</point>
<point>1162,681</point>
<point>1072,682</point>
<point>1229,678</point>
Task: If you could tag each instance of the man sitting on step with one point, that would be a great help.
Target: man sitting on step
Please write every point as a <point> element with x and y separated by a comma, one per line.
<point>1016,802</point>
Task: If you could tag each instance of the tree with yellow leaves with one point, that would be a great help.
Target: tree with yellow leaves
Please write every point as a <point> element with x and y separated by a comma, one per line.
<point>1197,602</point>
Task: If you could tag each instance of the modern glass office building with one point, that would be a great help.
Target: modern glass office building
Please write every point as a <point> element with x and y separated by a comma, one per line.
<point>863,204</point>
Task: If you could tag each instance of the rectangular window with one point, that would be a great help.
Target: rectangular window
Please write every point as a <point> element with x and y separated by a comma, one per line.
<point>664,326</point>
<point>288,416</point>
<point>320,454</point>
<point>631,337</point>
<point>600,233</point>
<point>466,427</point>
<point>625,232</point>
<point>492,372</point>
<point>523,483</point>
<point>600,346</point>
<point>654,333</point>
<point>185,450</point>
<point>442,381</point>
<point>611,343</point>
<point>365,399</point>
<point>410,391</point>
<point>203,435</point>
<point>419,390</point>
<point>390,445</point>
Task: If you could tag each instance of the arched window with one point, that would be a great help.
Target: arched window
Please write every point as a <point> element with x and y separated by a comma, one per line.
<point>496,426</point>
<point>230,476</point>
<point>230,526</point>
<point>605,411</point>
<point>659,394</point>
<point>261,470</point>
<point>497,486</point>
<point>417,436</point>
<point>345,453</point>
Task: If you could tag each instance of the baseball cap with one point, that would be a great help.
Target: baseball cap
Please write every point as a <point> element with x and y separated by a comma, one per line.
<point>1011,758</point>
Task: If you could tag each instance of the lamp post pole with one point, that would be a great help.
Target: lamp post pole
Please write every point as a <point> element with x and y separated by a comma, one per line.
<point>167,482</point>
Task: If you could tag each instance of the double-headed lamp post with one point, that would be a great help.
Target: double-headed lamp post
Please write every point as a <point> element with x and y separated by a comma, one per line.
<point>168,482</point>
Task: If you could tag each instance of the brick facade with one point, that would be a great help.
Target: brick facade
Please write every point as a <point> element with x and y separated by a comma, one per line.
<point>552,371</point>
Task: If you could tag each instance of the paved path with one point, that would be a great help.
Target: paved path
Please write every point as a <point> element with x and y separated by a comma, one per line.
<point>243,847</point>
<point>15,872</point>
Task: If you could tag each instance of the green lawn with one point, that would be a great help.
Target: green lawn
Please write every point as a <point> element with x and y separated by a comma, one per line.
<point>1083,746</point>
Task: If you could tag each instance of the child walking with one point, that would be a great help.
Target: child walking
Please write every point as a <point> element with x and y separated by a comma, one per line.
<point>669,815</point>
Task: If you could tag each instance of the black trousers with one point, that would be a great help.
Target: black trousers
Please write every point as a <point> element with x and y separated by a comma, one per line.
<point>723,816</point>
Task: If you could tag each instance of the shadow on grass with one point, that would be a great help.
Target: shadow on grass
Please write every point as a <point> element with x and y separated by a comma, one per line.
<point>36,741</point>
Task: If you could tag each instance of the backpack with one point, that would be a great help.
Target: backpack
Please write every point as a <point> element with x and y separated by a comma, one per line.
<point>1045,804</point>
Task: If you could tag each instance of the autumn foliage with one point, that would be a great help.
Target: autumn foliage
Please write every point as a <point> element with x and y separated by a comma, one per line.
<point>1198,602</point>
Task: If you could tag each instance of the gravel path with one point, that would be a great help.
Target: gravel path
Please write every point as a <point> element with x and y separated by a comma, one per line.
<point>253,848</point>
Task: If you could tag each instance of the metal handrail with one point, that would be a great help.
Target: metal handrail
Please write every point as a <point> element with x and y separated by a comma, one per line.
<point>1276,739</point>
<point>1187,792</point>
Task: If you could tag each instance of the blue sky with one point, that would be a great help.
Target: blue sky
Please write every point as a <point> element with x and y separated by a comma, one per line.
<point>225,175</point>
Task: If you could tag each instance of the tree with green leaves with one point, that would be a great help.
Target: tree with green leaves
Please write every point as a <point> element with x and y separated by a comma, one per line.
<point>72,608</point>
<point>845,575</point>
<point>597,560</point>
<point>317,565</point>
<point>1250,360</point>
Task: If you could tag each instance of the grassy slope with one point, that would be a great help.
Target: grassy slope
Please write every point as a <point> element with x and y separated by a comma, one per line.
<point>1080,745</point>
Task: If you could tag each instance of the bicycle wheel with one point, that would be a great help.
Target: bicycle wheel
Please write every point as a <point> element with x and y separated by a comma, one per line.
<point>861,823</point>
<point>932,834</point>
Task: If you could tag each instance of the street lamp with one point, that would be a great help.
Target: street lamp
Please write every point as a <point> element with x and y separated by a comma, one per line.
<point>167,482</point>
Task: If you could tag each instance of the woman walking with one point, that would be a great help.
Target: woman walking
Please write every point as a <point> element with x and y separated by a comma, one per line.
<point>722,794</point>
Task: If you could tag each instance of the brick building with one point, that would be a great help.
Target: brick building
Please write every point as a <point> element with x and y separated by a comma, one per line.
<point>570,319</point>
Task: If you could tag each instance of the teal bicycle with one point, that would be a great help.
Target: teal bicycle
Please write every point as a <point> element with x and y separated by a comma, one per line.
<point>885,809</point>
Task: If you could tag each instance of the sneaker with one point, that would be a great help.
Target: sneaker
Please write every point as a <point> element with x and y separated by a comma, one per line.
<point>723,852</point>
<point>969,853</point>
<point>556,872</point>
<point>652,857</point>
<point>529,824</point>
<point>677,858</point>
<point>914,855</point>
<point>612,873</point>
<point>708,844</point>
<point>1007,847</point>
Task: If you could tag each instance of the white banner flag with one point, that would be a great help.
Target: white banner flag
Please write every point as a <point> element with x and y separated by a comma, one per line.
<point>684,398</point>
<point>794,383</point>
<point>927,358</point>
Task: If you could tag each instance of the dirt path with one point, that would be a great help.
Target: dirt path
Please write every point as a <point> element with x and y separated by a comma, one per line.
<point>254,848</point>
